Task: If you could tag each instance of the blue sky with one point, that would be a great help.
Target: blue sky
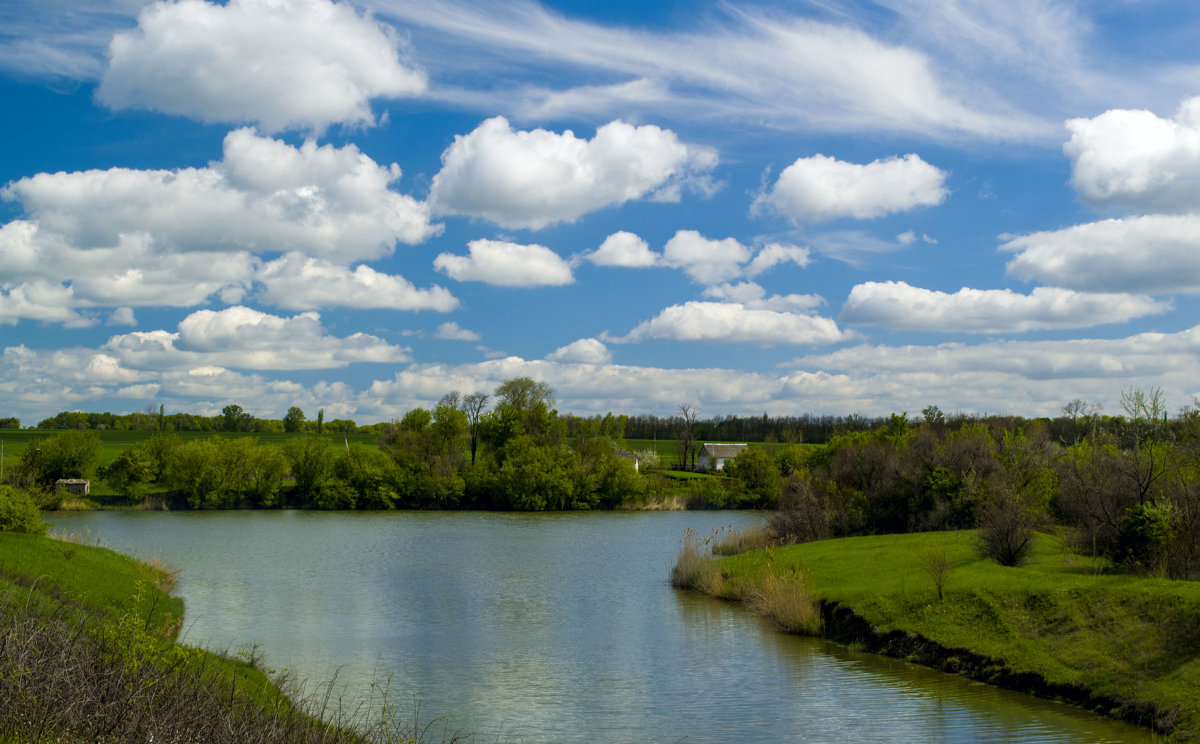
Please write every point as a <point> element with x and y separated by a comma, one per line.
<point>827,207</point>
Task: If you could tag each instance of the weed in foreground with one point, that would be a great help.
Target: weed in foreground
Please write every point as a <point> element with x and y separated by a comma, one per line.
<point>93,680</point>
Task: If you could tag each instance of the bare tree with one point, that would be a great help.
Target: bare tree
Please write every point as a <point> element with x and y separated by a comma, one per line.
<point>473,406</point>
<point>685,437</point>
<point>1145,429</point>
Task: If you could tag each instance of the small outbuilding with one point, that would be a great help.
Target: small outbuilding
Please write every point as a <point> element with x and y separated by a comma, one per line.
<point>713,456</point>
<point>631,456</point>
<point>76,486</point>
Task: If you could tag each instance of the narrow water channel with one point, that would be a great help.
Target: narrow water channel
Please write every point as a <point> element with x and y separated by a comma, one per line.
<point>550,628</point>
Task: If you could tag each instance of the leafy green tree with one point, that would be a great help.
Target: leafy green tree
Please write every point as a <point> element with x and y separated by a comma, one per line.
<point>71,454</point>
<point>264,476</point>
<point>195,471</point>
<point>311,463</point>
<point>524,393</point>
<point>233,418</point>
<point>294,420</point>
<point>755,470</point>
<point>131,473</point>
<point>536,478</point>
<point>371,474</point>
<point>19,513</point>
<point>933,416</point>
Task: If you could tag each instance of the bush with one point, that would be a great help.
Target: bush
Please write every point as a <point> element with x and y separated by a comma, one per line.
<point>802,515</point>
<point>1006,532</point>
<point>18,513</point>
<point>1144,538</point>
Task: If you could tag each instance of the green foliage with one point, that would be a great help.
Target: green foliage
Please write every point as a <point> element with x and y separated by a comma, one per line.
<point>19,513</point>
<point>1144,537</point>
<point>293,420</point>
<point>233,418</point>
<point>71,454</point>
<point>755,470</point>
<point>131,473</point>
<point>536,478</point>
<point>195,471</point>
<point>311,463</point>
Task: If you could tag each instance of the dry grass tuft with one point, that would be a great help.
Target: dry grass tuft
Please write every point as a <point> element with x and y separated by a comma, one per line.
<point>787,602</point>
<point>694,566</point>
<point>735,542</point>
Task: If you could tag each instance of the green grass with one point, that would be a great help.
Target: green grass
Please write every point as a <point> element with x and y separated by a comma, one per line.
<point>90,580</point>
<point>1116,634</point>
<point>87,645</point>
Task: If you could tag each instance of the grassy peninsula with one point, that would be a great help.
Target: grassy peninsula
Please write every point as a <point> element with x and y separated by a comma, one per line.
<point>1122,645</point>
<point>88,654</point>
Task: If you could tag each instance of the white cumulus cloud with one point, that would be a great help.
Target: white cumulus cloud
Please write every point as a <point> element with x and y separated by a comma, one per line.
<point>531,179</point>
<point>265,195</point>
<point>624,249</point>
<point>506,264</point>
<point>243,338</point>
<point>822,188</point>
<point>704,260</point>
<point>298,282</point>
<point>900,306</point>
<point>1138,160</point>
<point>280,63</point>
<point>1154,254</point>
<point>583,351</point>
<point>734,322</point>
<point>452,331</point>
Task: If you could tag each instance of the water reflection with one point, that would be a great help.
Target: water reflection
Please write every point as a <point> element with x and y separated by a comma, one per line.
<point>551,628</point>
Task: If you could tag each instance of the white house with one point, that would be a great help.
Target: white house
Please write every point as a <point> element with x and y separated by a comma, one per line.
<point>713,456</point>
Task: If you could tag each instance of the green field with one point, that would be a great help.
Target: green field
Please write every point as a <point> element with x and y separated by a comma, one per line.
<point>1059,617</point>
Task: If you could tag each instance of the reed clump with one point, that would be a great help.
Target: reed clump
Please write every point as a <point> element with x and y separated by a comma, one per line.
<point>787,602</point>
<point>744,539</point>
<point>695,568</point>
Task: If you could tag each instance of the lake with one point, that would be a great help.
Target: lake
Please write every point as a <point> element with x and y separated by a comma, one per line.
<point>549,628</point>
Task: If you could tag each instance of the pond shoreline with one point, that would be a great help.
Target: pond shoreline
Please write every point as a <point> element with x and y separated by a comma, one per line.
<point>1116,645</point>
<point>843,625</point>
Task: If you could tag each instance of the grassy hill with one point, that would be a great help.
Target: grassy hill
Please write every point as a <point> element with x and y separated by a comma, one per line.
<point>1058,627</point>
<point>87,654</point>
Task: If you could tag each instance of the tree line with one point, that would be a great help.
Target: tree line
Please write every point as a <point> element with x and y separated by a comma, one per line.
<point>1126,489</point>
<point>233,418</point>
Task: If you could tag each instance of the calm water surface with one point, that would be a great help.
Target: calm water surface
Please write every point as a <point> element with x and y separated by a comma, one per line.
<point>550,628</point>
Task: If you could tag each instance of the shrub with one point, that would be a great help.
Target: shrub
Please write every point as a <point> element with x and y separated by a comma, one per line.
<point>1006,532</point>
<point>18,513</point>
<point>1144,538</point>
<point>802,515</point>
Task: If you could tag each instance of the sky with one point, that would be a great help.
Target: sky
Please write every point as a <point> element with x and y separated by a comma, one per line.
<point>826,207</point>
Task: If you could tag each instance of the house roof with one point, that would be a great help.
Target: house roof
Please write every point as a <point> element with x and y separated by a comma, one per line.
<point>721,451</point>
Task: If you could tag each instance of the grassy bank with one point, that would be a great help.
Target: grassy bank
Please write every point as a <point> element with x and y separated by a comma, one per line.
<point>87,654</point>
<point>1121,645</point>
